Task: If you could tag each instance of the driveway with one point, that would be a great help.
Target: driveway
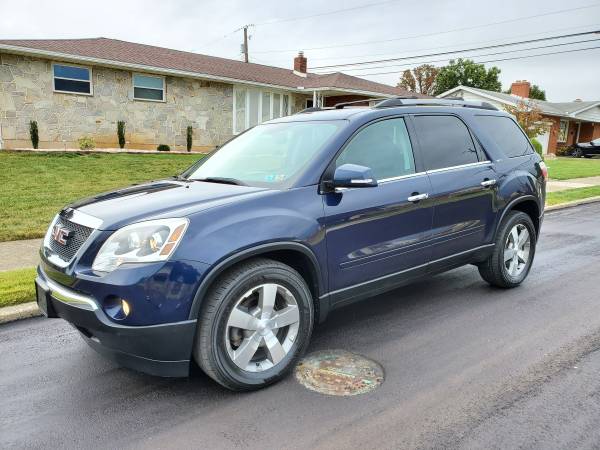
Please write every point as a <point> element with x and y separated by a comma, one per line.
<point>465,365</point>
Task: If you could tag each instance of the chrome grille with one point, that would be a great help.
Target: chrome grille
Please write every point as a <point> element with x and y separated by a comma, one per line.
<point>80,235</point>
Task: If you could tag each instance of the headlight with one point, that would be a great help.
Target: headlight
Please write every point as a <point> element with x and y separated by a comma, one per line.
<point>151,241</point>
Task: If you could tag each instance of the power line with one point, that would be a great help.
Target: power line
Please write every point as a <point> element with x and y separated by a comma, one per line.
<point>486,47</point>
<point>337,11</point>
<point>503,59</point>
<point>478,56</point>
<point>437,32</point>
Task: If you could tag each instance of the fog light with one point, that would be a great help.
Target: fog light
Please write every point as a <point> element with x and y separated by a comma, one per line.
<point>116,308</point>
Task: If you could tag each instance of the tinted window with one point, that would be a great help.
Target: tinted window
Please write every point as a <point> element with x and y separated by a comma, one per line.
<point>446,142</point>
<point>506,135</point>
<point>384,147</point>
<point>72,79</point>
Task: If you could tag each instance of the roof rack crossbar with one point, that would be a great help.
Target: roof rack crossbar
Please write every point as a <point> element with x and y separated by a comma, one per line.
<point>459,102</point>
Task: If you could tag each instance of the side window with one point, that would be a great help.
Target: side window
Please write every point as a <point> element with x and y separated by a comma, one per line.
<point>446,142</point>
<point>506,135</point>
<point>384,147</point>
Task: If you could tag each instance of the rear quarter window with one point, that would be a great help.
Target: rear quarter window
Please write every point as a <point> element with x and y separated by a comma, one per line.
<point>506,134</point>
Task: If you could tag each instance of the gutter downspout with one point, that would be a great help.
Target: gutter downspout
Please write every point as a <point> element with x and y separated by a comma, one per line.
<point>578,130</point>
<point>1,141</point>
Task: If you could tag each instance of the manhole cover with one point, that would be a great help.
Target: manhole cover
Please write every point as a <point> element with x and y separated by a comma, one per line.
<point>338,372</point>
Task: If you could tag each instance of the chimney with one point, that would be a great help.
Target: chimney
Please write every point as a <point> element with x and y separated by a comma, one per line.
<point>300,64</point>
<point>520,88</point>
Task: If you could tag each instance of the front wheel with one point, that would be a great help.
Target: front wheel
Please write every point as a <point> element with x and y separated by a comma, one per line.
<point>254,324</point>
<point>511,260</point>
<point>577,153</point>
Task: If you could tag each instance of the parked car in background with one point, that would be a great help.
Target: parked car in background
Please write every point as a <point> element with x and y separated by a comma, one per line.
<point>230,264</point>
<point>586,149</point>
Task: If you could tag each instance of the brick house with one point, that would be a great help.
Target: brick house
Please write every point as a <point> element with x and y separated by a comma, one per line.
<point>82,87</point>
<point>576,121</point>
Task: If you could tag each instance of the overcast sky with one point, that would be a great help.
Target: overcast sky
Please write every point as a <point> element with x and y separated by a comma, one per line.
<point>409,27</point>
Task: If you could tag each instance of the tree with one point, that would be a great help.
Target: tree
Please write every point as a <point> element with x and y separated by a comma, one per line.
<point>421,79</point>
<point>467,73</point>
<point>535,92</point>
<point>529,116</point>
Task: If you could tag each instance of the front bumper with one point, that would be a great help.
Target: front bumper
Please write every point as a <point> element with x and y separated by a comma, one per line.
<point>162,350</point>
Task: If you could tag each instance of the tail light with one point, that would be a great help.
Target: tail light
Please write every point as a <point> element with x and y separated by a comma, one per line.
<point>544,169</point>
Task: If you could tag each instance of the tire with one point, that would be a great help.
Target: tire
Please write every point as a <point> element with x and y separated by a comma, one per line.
<point>494,270</point>
<point>220,348</point>
<point>587,156</point>
<point>577,153</point>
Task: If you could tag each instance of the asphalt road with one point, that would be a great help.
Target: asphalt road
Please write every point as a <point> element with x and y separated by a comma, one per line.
<point>466,366</point>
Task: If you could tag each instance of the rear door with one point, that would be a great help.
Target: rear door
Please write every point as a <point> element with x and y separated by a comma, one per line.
<point>463,185</point>
<point>377,232</point>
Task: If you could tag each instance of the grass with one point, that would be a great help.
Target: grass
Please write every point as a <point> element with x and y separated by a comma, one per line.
<point>17,287</point>
<point>570,195</point>
<point>35,186</point>
<point>567,168</point>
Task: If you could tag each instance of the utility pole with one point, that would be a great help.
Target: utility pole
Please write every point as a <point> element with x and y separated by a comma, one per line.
<point>246,39</point>
<point>245,43</point>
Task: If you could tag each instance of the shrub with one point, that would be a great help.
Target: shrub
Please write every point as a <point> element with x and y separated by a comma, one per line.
<point>163,148</point>
<point>538,147</point>
<point>86,143</point>
<point>121,133</point>
<point>34,134</point>
<point>190,138</point>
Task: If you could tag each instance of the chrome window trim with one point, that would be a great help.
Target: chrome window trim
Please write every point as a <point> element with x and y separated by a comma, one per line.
<point>70,297</point>
<point>462,166</point>
<point>401,177</point>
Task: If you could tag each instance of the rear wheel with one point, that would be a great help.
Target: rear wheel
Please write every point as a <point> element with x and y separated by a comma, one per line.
<point>255,323</point>
<point>511,260</point>
<point>577,153</point>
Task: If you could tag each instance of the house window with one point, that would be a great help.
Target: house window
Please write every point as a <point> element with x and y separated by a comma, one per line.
<point>72,79</point>
<point>563,131</point>
<point>253,106</point>
<point>148,87</point>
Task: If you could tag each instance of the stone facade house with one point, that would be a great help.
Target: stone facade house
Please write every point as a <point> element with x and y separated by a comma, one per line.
<point>571,122</point>
<point>82,87</point>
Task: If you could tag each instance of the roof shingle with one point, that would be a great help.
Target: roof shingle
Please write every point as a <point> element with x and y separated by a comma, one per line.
<point>124,52</point>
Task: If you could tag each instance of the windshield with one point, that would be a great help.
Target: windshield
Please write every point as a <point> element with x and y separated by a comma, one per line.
<point>268,155</point>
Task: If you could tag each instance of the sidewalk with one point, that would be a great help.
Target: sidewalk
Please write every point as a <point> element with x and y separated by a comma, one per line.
<point>573,183</point>
<point>19,254</point>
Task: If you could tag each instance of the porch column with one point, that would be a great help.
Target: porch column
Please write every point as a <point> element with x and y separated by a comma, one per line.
<point>315,99</point>
<point>578,131</point>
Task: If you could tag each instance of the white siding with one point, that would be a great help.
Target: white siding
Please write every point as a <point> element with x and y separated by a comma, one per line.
<point>592,114</point>
<point>478,98</point>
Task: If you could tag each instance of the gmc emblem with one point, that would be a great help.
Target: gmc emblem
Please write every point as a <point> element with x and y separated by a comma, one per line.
<point>61,235</point>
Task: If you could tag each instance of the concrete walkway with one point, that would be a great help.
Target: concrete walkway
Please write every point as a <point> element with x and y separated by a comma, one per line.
<point>19,254</point>
<point>573,183</point>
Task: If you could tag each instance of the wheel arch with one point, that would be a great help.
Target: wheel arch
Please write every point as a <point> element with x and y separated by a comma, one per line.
<point>527,204</point>
<point>294,254</point>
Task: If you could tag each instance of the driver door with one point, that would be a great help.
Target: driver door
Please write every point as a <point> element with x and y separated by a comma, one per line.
<point>376,235</point>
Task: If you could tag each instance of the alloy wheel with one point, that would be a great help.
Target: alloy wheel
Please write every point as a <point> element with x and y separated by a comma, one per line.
<point>262,327</point>
<point>516,250</point>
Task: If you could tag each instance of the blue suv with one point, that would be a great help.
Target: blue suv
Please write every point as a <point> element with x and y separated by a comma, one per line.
<point>231,264</point>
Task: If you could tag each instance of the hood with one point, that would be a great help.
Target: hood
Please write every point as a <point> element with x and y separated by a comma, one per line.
<point>159,199</point>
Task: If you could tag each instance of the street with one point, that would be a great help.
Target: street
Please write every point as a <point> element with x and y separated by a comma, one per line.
<point>466,366</point>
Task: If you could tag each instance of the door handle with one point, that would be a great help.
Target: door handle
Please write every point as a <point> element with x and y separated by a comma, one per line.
<point>418,197</point>
<point>488,183</point>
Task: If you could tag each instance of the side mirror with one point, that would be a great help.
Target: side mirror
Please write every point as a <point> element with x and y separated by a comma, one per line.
<point>353,176</point>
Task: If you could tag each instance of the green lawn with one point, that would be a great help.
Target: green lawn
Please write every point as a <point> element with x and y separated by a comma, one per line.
<point>554,198</point>
<point>17,287</point>
<point>566,168</point>
<point>35,186</point>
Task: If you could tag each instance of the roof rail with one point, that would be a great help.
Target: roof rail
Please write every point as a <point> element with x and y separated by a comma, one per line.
<point>356,102</point>
<point>458,102</point>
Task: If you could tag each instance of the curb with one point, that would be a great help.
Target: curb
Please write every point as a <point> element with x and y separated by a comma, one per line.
<point>17,312</point>
<point>583,201</point>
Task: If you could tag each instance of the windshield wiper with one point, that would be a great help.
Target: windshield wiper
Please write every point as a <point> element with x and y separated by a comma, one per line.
<point>222,180</point>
